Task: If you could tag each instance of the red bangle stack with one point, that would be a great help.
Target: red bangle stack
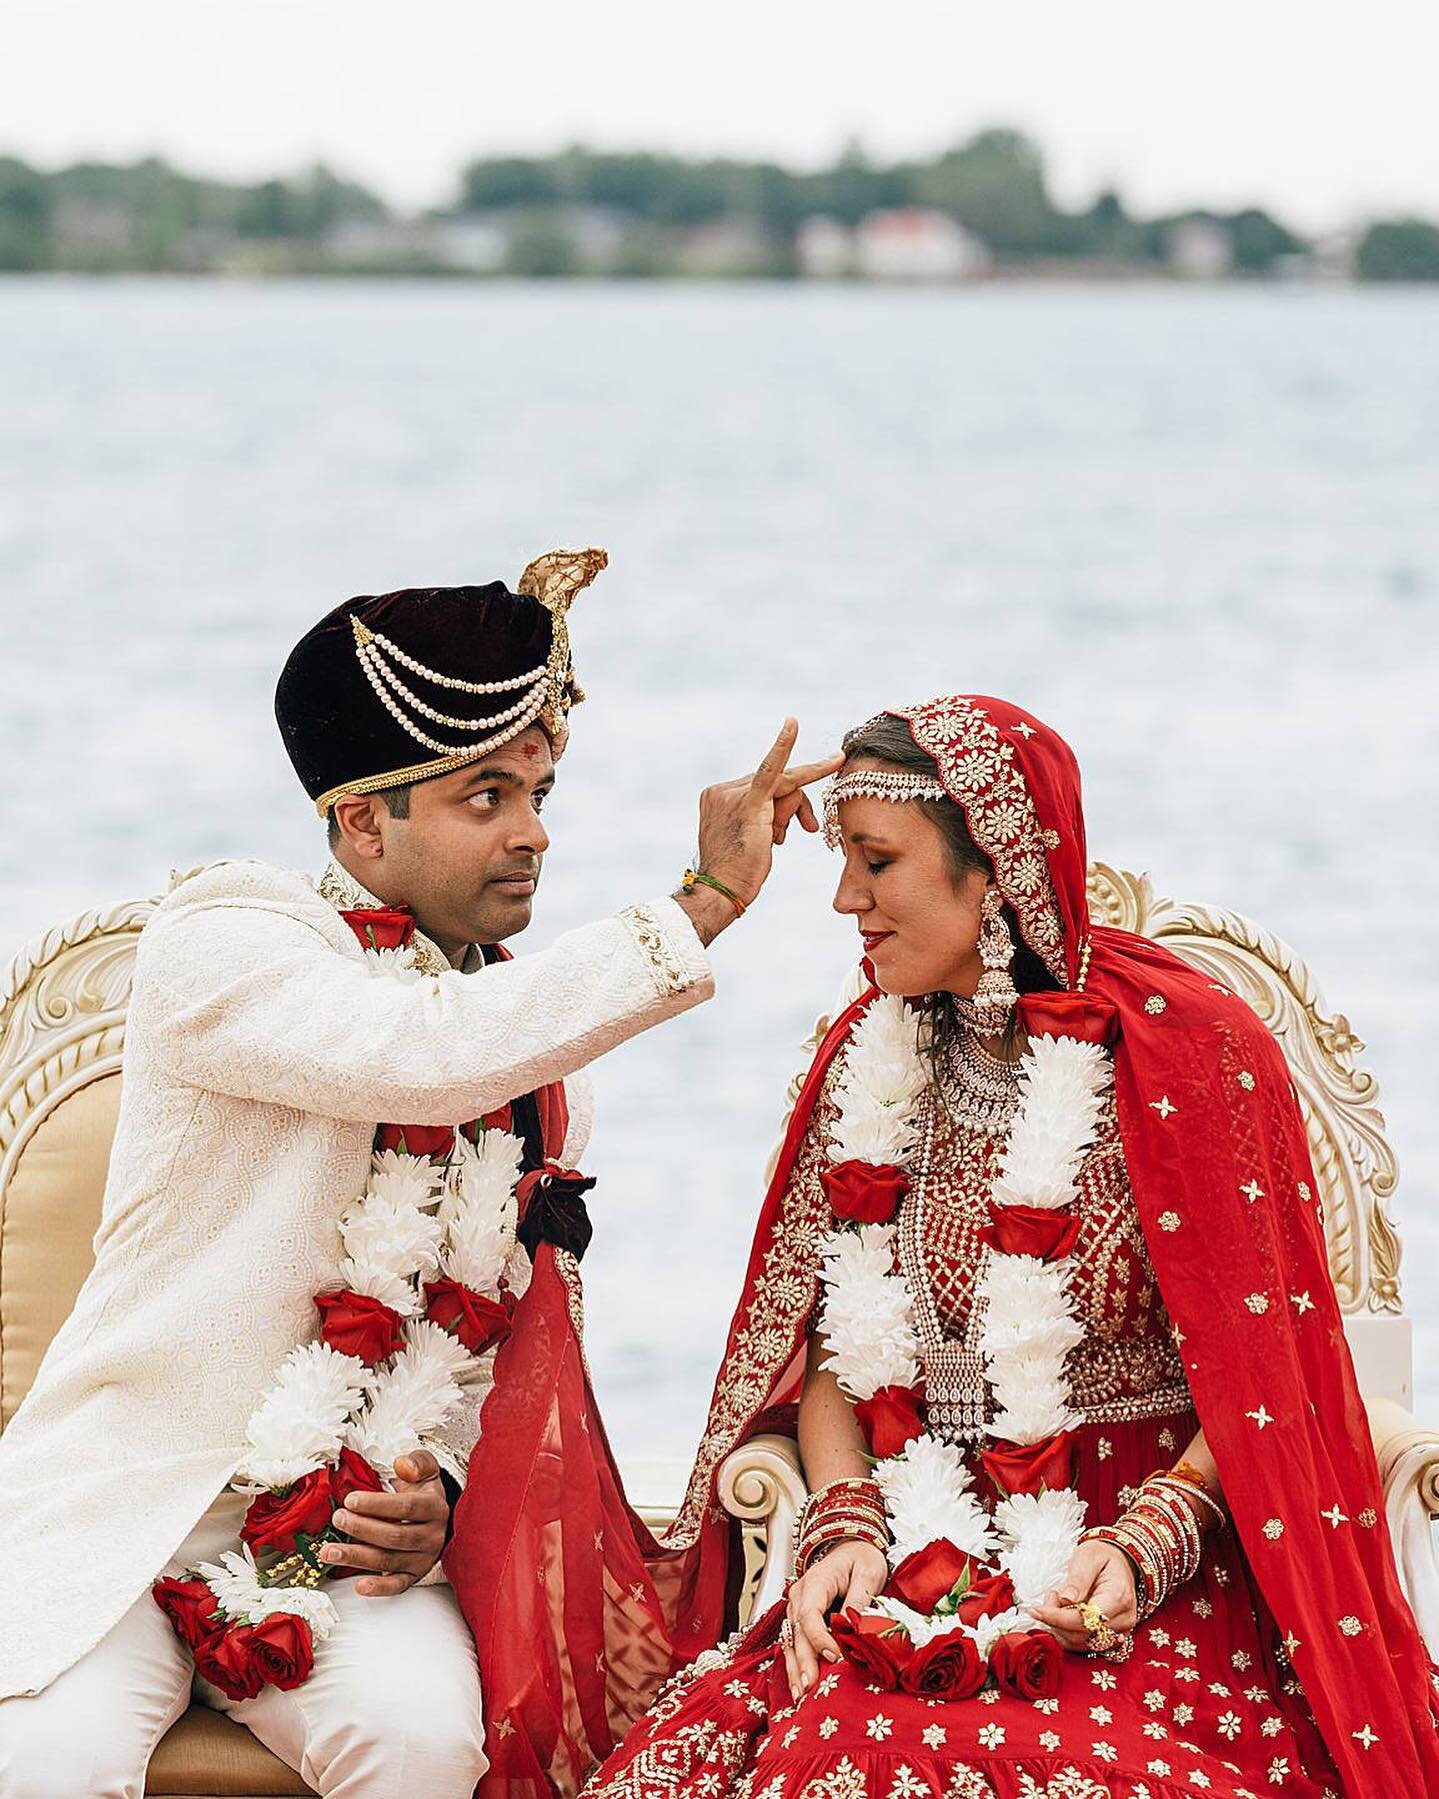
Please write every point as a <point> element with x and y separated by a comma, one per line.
<point>1162,1533</point>
<point>843,1509</point>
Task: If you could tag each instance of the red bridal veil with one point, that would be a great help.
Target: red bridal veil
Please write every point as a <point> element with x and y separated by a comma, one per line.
<point>579,1613</point>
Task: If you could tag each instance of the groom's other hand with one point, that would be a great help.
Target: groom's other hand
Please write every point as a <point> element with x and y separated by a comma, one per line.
<point>396,1538</point>
<point>742,821</point>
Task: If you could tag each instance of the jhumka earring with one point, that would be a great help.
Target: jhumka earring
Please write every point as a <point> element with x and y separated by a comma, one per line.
<point>995,996</point>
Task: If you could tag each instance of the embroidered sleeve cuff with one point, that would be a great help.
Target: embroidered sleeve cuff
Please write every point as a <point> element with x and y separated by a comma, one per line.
<point>669,945</point>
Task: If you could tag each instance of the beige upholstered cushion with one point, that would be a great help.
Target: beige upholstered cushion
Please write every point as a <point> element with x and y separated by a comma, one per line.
<point>48,1213</point>
<point>205,1754</point>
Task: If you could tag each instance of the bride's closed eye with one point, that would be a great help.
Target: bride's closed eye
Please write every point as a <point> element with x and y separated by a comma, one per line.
<point>876,868</point>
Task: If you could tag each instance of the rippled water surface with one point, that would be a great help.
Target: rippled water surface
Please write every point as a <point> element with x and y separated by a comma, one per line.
<point>1196,530</point>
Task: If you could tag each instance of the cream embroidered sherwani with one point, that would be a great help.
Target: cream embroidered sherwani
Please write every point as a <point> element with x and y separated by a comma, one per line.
<point>261,1053</point>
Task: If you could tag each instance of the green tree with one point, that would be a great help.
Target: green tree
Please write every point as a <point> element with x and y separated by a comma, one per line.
<point>24,216</point>
<point>1399,250</point>
<point>1259,240</point>
<point>995,185</point>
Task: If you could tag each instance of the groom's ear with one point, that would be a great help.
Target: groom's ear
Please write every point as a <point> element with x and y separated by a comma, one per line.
<point>355,821</point>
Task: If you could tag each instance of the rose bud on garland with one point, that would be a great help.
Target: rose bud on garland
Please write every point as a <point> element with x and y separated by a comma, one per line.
<point>191,1607</point>
<point>947,1667</point>
<point>477,1322</point>
<point>931,1574</point>
<point>864,1192</point>
<point>436,1140</point>
<point>277,1652</point>
<point>1026,1663</point>
<point>352,1474</point>
<point>891,1420</point>
<point>382,927</point>
<point>878,1647</point>
<point>275,1521</point>
<point>355,1324</point>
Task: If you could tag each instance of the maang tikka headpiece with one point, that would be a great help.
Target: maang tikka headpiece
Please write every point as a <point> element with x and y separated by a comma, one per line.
<point>875,784</point>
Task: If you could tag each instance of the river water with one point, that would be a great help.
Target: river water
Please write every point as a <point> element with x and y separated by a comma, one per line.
<point>1196,530</point>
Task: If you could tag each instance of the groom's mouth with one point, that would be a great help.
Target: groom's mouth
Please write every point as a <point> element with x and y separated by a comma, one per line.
<point>519,885</point>
<point>873,939</point>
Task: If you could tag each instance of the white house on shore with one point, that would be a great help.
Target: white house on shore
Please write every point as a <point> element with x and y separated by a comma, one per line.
<point>907,243</point>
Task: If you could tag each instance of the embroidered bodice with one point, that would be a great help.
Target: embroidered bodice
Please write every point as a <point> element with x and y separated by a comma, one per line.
<point>1127,1367</point>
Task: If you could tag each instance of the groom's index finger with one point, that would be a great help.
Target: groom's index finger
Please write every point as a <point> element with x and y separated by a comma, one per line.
<point>772,767</point>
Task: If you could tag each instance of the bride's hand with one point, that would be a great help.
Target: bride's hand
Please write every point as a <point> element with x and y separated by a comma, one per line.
<point>1102,1575</point>
<point>852,1573</point>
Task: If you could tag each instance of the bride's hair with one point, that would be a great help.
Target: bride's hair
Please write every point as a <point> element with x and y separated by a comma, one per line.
<point>888,740</point>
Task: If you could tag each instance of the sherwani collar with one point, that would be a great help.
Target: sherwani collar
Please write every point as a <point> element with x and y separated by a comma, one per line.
<point>345,894</point>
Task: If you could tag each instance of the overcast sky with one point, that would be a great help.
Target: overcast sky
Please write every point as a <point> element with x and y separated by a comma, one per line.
<point>1323,110</point>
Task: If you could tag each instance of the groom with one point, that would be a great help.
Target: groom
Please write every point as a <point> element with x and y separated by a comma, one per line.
<point>262,1053</point>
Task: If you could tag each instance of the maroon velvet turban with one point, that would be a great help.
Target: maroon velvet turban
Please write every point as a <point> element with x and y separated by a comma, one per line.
<point>399,687</point>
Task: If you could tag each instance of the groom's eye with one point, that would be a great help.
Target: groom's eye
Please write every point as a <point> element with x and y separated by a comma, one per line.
<point>876,868</point>
<point>486,799</point>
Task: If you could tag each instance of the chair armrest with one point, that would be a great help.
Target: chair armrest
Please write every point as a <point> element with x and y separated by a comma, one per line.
<point>760,1483</point>
<point>1408,1457</point>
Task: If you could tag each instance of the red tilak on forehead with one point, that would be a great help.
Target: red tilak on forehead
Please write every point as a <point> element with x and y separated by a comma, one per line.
<point>531,750</point>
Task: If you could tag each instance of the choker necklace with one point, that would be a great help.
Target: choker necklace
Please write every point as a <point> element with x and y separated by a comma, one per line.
<point>980,1089</point>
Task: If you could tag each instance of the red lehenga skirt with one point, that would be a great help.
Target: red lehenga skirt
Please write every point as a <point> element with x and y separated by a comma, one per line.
<point>1206,1704</point>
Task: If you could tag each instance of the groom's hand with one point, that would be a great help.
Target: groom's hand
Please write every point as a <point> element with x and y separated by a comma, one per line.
<point>396,1538</point>
<point>742,821</point>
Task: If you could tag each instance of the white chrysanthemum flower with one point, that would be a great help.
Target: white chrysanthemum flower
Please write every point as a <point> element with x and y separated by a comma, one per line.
<point>927,1497</point>
<point>1041,1532</point>
<point>1028,1331</point>
<point>376,1281</point>
<point>403,1180</point>
<point>397,964</point>
<point>399,1237</point>
<point>414,1396</point>
<point>235,1582</point>
<point>439,1348</point>
<point>482,1173</point>
<point>478,1247</point>
<point>300,1423</point>
<point>878,1091</point>
<point>988,1630</point>
<point>1063,1083</point>
<point>867,1323</point>
<point>916,1625</point>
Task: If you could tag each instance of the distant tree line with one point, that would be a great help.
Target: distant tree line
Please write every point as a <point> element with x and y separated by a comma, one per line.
<point>150,216</point>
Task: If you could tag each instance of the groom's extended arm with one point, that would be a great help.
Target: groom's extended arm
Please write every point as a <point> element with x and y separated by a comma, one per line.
<point>255,1001</point>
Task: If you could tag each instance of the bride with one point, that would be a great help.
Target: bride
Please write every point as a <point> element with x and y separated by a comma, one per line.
<point>1093,1507</point>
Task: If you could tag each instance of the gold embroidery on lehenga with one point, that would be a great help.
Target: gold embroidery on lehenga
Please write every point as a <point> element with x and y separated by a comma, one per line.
<point>784,1296</point>
<point>668,1766</point>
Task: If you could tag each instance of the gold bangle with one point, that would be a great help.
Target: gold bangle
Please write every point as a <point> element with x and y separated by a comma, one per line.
<point>693,878</point>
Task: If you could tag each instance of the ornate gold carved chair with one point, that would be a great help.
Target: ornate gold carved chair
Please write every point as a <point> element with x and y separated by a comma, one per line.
<point>761,1482</point>
<point>62,1023</point>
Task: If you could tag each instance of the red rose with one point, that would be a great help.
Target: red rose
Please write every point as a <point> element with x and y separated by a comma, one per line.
<point>1048,1232</point>
<point>382,927</point>
<point>878,1647</point>
<point>890,1421</point>
<point>190,1606</point>
<point>283,1649</point>
<point>1031,1469</point>
<point>921,1580</point>
<point>948,1667</point>
<point>864,1192</point>
<point>352,1474</point>
<point>478,1323</point>
<point>417,1139</point>
<point>1081,1015</point>
<point>355,1324</point>
<point>986,1598</point>
<point>274,1520</point>
<point>1026,1663</point>
<point>225,1660</point>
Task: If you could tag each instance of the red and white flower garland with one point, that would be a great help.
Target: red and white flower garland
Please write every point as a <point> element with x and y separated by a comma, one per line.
<point>958,1567</point>
<point>408,1334</point>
